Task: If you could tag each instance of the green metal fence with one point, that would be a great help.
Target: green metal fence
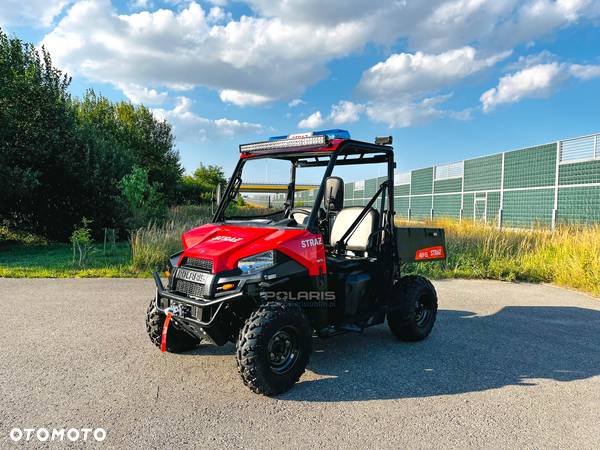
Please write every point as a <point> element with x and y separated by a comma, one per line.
<point>545,185</point>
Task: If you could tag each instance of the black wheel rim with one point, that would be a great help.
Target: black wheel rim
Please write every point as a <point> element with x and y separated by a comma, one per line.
<point>283,350</point>
<point>422,312</point>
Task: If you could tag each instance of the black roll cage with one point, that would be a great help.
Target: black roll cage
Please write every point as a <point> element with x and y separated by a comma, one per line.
<point>363,152</point>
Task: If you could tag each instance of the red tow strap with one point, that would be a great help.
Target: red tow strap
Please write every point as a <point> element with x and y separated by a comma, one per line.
<point>163,341</point>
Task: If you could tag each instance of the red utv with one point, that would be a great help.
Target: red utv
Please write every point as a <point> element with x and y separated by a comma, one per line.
<point>268,283</point>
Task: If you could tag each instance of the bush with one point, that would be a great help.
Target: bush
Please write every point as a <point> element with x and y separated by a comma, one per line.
<point>11,237</point>
<point>146,204</point>
<point>82,241</point>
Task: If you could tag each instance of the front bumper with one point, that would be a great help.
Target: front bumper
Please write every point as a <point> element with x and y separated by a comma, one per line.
<point>167,300</point>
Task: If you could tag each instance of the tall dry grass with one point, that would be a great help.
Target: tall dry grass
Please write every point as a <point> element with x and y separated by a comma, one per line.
<point>153,244</point>
<point>568,256</point>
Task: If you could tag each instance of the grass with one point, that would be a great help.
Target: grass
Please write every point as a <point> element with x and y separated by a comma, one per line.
<point>569,256</point>
<point>56,261</point>
<point>152,245</point>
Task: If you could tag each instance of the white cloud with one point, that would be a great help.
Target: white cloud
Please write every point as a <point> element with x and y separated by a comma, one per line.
<point>258,56</point>
<point>439,25</point>
<point>535,81</point>
<point>536,18</point>
<point>345,112</point>
<point>140,4</point>
<point>496,23</point>
<point>141,94</point>
<point>341,113</point>
<point>218,15</point>
<point>296,102</point>
<point>585,72</point>
<point>318,12</point>
<point>403,113</point>
<point>190,127</point>
<point>315,120</point>
<point>31,12</point>
<point>396,111</point>
<point>540,80</point>
<point>405,73</point>
<point>403,90</point>
<point>243,98</point>
<point>287,46</point>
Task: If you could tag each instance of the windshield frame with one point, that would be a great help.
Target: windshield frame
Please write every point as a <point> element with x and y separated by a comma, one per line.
<point>233,187</point>
<point>367,154</point>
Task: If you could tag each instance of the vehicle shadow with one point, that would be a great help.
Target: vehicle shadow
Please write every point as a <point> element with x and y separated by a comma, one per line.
<point>464,353</point>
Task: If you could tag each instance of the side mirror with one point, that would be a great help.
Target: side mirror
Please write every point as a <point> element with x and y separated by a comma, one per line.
<point>334,194</point>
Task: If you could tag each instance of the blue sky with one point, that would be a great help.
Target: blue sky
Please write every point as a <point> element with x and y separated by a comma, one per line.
<point>449,79</point>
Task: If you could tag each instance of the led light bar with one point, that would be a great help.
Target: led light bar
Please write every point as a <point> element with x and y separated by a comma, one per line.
<point>286,144</point>
<point>331,134</point>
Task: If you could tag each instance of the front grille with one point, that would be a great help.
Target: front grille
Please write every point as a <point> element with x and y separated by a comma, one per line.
<point>205,265</point>
<point>189,288</point>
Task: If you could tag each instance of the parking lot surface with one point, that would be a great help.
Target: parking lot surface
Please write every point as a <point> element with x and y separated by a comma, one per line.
<point>507,366</point>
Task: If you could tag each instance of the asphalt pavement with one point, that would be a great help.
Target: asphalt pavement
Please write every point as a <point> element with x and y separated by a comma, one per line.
<point>507,366</point>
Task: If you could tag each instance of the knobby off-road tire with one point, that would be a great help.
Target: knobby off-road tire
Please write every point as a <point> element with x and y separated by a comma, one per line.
<point>415,320</point>
<point>177,340</point>
<point>273,348</point>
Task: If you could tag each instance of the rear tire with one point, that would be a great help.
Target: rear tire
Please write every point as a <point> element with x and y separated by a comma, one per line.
<point>416,317</point>
<point>177,340</point>
<point>273,348</point>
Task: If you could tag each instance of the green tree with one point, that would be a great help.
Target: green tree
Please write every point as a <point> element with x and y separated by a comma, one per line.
<point>146,203</point>
<point>149,142</point>
<point>210,176</point>
<point>201,186</point>
<point>37,141</point>
<point>152,144</point>
<point>63,158</point>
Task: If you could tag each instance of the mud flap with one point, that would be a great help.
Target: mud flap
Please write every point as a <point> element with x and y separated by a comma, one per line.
<point>165,330</point>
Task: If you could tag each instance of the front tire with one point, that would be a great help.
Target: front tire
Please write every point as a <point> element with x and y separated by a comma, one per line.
<point>177,340</point>
<point>414,320</point>
<point>273,348</point>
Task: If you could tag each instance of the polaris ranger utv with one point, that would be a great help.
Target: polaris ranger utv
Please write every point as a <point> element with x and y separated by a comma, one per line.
<point>268,283</point>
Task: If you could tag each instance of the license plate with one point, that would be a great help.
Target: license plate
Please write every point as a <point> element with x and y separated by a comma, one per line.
<point>191,275</point>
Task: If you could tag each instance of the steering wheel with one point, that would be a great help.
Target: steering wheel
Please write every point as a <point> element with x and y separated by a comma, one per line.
<point>306,212</point>
<point>300,211</point>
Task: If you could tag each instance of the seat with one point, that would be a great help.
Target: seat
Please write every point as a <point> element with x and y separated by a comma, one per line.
<point>360,239</point>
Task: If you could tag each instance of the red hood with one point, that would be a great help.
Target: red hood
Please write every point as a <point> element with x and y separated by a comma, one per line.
<point>225,245</point>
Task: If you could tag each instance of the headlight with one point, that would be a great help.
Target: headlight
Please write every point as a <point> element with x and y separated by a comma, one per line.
<point>256,263</point>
